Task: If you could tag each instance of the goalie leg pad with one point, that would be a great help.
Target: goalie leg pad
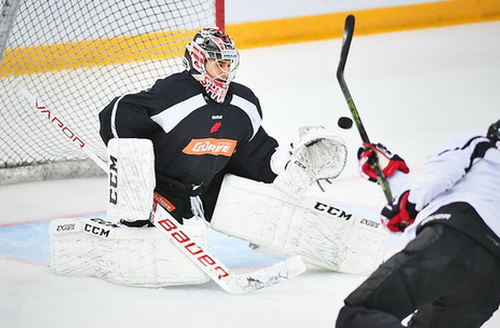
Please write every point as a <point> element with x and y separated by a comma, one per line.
<point>127,256</point>
<point>131,177</point>
<point>322,234</point>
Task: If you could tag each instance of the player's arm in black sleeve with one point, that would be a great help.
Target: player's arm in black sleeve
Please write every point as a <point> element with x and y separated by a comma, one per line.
<point>128,117</point>
<point>253,159</point>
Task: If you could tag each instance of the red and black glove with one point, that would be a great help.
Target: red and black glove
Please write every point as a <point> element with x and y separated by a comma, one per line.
<point>400,214</point>
<point>388,162</point>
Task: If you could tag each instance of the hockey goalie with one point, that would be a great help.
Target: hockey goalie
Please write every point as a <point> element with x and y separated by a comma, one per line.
<point>274,218</point>
<point>192,146</point>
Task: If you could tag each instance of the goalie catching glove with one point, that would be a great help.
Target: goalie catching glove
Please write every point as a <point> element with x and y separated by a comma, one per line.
<point>398,215</point>
<point>319,154</point>
<point>389,163</point>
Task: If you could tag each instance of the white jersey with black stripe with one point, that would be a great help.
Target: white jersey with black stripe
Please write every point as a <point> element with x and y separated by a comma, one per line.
<point>466,170</point>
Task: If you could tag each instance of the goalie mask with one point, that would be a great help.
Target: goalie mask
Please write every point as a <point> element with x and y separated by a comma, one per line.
<point>211,57</point>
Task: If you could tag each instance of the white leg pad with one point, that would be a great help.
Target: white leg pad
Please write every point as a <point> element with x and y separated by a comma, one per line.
<point>128,256</point>
<point>322,234</point>
<point>131,177</point>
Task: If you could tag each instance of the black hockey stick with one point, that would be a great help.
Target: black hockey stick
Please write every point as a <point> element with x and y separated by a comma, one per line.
<point>346,45</point>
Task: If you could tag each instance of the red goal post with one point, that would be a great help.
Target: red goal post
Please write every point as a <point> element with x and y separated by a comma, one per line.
<point>220,14</point>
<point>77,55</point>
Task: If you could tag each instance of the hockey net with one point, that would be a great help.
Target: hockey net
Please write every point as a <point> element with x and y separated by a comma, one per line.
<point>76,56</point>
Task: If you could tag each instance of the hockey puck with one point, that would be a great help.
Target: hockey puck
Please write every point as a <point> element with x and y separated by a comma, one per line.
<point>345,123</point>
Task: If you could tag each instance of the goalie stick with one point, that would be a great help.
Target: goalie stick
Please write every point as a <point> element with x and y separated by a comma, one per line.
<point>346,45</point>
<point>229,281</point>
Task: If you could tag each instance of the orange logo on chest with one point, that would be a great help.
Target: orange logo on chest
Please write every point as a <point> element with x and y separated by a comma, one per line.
<point>210,146</point>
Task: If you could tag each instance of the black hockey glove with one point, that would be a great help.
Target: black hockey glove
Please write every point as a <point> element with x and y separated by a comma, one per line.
<point>399,214</point>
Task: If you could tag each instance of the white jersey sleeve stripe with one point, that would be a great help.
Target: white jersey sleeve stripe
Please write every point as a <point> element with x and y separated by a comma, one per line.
<point>251,110</point>
<point>170,117</point>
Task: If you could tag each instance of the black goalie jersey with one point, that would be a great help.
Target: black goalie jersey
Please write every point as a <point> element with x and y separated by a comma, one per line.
<point>196,140</point>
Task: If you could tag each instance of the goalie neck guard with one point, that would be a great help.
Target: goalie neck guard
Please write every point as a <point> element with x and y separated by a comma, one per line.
<point>211,57</point>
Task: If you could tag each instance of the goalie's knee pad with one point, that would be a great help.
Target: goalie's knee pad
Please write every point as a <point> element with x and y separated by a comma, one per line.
<point>127,256</point>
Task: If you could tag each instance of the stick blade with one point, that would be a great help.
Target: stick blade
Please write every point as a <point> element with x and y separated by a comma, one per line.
<point>268,276</point>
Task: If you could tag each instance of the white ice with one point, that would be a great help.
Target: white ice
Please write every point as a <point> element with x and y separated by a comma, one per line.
<point>412,90</point>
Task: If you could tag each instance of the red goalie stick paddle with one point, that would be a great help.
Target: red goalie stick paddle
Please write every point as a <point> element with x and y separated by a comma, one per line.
<point>346,45</point>
<point>229,281</point>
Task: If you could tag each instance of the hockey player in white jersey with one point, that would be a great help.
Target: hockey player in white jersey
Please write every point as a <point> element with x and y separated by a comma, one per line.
<point>449,273</point>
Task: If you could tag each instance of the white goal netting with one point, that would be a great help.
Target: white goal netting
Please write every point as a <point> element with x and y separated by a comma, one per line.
<point>75,56</point>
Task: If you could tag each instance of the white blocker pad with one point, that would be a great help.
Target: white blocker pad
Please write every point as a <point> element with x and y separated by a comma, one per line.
<point>131,179</point>
<point>322,234</point>
<point>140,257</point>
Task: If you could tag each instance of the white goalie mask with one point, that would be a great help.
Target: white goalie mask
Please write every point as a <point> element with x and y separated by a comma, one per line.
<point>211,57</point>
